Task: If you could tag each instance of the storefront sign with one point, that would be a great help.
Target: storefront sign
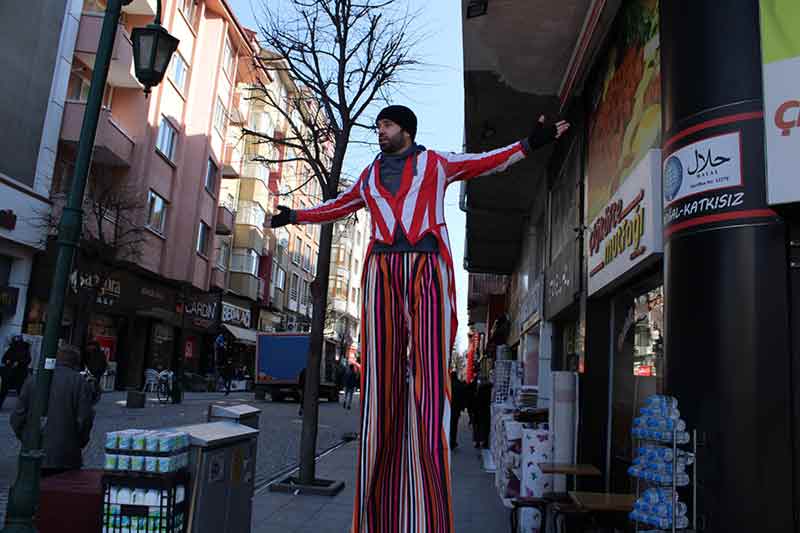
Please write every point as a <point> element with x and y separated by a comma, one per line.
<point>562,281</point>
<point>9,296</point>
<point>780,49</point>
<point>233,314</point>
<point>629,229</point>
<point>108,288</point>
<point>710,164</point>
<point>531,304</point>
<point>201,312</point>
<point>200,309</point>
<point>625,91</point>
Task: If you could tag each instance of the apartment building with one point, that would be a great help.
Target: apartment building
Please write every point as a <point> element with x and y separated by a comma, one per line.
<point>157,304</point>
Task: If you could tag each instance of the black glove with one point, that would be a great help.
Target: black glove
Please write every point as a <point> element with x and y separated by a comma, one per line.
<point>283,217</point>
<point>542,134</point>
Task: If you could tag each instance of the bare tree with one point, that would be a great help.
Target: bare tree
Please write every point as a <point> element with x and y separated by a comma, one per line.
<point>343,56</point>
<point>112,236</point>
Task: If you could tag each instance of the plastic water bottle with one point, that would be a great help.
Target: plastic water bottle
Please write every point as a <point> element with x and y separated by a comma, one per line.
<point>661,401</point>
<point>667,412</point>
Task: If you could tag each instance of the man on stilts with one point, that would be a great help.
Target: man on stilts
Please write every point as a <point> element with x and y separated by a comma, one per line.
<point>408,321</point>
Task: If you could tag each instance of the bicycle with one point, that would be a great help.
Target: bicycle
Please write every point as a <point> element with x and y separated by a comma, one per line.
<point>164,386</point>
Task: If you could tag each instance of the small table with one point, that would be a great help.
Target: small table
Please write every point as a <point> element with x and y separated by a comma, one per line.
<point>570,469</point>
<point>604,501</point>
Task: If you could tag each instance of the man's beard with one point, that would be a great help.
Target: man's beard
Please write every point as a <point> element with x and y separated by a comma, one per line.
<point>394,144</point>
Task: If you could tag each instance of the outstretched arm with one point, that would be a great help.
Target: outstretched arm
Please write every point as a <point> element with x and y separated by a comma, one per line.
<point>347,202</point>
<point>467,166</point>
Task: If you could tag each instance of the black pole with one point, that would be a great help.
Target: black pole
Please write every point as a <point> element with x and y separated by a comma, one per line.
<point>727,341</point>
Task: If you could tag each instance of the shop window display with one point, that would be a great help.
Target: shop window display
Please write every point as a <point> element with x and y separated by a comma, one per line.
<point>638,371</point>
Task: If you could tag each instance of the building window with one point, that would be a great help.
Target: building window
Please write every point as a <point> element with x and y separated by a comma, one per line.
<point>280,281</point>
<point>189,8</point>
<point>303,292</point>
<point>167,136</point>
<point>78,90</point>
<point>178,71</point>
<point>228,58</point>
<point>156,212</point>
<point>298,250</point>
<point>203,235</point>
<point>293,286</point>
<point>245,260</point>
<point>220,115</point>
<point>222,255</point>
<point>307,259</point>
<point>211,176</point>
<point>353,295</point>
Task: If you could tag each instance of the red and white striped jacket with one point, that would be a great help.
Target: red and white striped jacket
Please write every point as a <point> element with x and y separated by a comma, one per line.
<point>418,205</point>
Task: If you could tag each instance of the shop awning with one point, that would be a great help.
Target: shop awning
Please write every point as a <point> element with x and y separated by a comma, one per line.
<point>506,86</point>
<point>245,336</point>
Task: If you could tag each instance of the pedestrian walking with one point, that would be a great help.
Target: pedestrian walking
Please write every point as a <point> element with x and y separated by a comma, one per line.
<point>301,386</point>
<point>350,383</point>
<point>409,319</point>
<point>227,375</point>
<point>70,415</point>
<point>94,360</point>
<point>15,362</point>
<point>457,386</point>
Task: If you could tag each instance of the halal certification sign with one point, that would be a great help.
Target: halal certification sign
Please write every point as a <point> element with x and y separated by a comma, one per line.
<point>673,178</point>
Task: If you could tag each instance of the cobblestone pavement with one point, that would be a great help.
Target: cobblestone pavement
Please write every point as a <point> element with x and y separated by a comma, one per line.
<point>278,443</point>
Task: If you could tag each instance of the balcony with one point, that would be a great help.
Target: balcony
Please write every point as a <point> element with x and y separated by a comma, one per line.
<point>245,284</point>
<point>225,220</point>
<point>141,7</point>
<point>246,236</point>
<point>112,145</point>
<point>120,73</point>
<point>254,191</point>
<point>218,278</point>
<point>233,161</point>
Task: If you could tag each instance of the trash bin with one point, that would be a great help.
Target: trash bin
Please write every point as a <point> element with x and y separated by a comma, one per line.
<point>222,461</point>
<point>241,414</point>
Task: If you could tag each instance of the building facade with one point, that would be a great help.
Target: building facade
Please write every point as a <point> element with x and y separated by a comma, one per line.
<point>623,245</point>
<point>155,178</point>
<point>36,63</point>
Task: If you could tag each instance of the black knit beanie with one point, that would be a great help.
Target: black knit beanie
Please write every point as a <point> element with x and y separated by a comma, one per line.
<point>402,116</point>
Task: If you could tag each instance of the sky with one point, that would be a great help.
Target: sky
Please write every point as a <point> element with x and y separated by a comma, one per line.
<point>436,94</point>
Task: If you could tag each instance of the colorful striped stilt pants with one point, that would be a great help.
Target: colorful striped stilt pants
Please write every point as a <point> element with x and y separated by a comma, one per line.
<point>403,475</point>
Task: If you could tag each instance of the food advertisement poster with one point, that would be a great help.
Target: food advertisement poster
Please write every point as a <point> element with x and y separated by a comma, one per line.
<point>625,121</point>
<point>780,49</point>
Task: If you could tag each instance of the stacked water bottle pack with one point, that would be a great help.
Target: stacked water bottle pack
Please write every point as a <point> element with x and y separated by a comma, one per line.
<point>138,450</point>
<point>664,467</point>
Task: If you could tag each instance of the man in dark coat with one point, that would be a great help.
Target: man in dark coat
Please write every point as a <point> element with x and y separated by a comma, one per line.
<point>70,415</point>
<point>15,367</point>
<point>351,381</point>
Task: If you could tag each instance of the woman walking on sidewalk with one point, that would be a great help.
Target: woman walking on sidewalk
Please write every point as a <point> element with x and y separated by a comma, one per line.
<point>408,320</point>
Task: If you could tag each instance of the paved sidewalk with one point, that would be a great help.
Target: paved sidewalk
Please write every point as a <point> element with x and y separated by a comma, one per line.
<point>477,507</point>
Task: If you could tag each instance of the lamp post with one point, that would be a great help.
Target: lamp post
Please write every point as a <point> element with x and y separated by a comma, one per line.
<point>24,494</point>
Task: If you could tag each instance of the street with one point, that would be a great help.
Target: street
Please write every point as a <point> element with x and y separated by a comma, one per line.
<point>278,443</point>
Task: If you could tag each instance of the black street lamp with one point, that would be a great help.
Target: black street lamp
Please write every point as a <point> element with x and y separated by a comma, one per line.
<point>24,494</point>
<point>153,47</point>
